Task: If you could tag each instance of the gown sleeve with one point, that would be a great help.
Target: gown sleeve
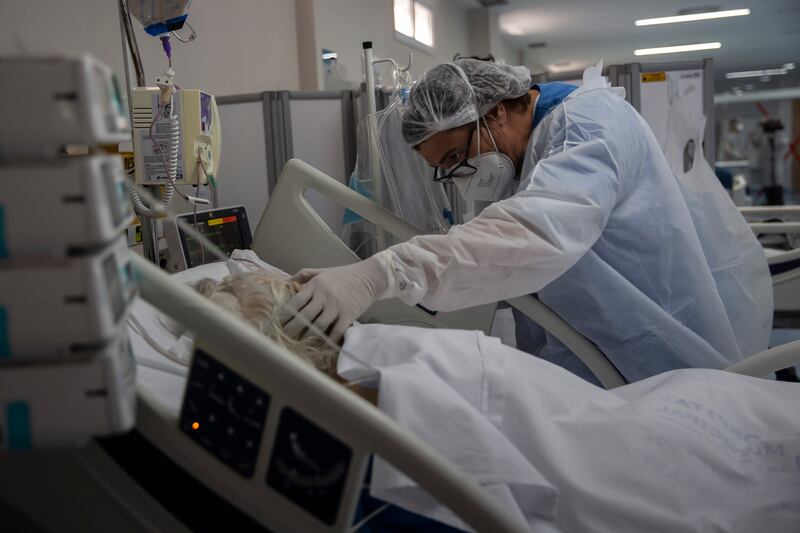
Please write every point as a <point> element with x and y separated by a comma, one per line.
<point>519,245</point>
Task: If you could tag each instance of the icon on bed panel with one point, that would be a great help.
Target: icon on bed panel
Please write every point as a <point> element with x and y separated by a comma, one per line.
<point>224,413</point>
<point>308,466</point>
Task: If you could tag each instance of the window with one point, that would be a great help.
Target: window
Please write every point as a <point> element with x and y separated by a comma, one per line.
<point>413,21</point>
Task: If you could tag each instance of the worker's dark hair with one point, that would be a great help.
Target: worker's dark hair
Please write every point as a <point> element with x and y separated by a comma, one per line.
<point>514,105</point>
<point>488,59</point>
<point>519,103</point>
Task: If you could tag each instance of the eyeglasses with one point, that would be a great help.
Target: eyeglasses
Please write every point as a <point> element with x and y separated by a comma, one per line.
<point>461,170</point>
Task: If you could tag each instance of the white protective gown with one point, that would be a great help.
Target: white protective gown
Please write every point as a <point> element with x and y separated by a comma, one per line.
<point>658,273</point>
<point>690,450</point>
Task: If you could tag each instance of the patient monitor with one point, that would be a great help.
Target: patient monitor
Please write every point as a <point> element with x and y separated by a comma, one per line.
<point>228,228</point>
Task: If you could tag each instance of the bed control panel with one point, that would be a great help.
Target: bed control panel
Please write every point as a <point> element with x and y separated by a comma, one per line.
<point>224,413</point>
<point>308,466</point>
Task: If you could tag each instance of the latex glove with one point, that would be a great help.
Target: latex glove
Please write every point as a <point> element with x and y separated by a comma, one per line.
<point>338,296</point>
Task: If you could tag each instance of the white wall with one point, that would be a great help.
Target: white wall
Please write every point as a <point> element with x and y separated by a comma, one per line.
<point>500,48</point>
<point>342,25</point>
<point>486,37</point>
<point>242,45</point>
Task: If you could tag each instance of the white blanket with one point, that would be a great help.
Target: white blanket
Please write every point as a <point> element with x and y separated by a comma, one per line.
<point>688,450</point>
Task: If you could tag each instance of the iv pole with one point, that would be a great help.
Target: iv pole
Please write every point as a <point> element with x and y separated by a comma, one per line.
<point>130,53</point>
<point>372,127</point>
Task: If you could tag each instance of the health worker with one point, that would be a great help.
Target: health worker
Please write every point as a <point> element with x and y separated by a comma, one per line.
<point>579,207</point>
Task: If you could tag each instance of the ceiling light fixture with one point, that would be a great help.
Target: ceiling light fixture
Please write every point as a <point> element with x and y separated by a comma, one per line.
<point>693,17</point>
<point>756,73</point>
<point>512,29</point>
<point>561,66</point>
<point>676,49</point>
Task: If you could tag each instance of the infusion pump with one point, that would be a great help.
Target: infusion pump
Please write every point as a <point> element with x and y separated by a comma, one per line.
<point>66,284</point>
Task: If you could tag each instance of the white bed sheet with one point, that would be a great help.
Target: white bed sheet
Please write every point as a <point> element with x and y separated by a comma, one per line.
<point>687,450</point>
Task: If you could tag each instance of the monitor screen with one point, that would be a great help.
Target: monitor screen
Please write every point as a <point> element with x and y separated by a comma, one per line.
<point>227,228</point>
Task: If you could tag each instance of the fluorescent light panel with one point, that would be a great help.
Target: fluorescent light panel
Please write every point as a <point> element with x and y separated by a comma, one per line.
<point>756,73</point>
<point>693,17</point>
<point>512,29</point>
<point>676,49</point>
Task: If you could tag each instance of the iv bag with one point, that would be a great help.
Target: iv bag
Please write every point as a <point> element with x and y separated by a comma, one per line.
<point>160,16</point>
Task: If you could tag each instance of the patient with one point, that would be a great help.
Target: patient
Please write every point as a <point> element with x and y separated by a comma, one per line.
<point>687,450</point>
<point>255,297</point>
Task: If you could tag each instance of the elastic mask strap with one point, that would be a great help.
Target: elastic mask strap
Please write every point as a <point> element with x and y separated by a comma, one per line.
<point>494,144</point>
<point>478,116</point>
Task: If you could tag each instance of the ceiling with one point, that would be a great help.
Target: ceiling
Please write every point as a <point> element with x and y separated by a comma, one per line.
<point>578,33</point>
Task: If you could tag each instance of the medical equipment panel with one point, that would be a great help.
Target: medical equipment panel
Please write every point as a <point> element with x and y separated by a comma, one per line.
<point>294,465</point>
<point>308,466</point>
<point>48,104</point>
<point>186,131</point>
<point>61,206</point>
<point>51,308</point>
<point>228,228</point>
<point>224,413</point>
<point>65,403</point>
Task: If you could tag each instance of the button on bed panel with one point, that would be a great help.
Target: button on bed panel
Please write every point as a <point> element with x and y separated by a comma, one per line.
<point>224,413</point>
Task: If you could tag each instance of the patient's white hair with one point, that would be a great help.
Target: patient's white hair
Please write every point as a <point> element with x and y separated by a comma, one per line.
<point>254,296</point>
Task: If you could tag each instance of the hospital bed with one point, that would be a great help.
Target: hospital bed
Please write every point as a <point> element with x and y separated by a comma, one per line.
<point>162,478</point>
<point>784,264</point>
<point>159,478</point>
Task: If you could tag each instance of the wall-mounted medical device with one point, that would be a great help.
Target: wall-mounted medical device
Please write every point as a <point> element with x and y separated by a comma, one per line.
<point>47,104</point>
<point>228,228</point>
<point>66,369</point>
<point>181,136</point>
<point>63,206</point>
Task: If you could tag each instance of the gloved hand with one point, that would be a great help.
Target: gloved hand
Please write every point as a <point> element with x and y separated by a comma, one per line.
<point>338,296</point>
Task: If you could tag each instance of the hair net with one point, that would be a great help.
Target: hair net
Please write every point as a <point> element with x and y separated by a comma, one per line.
<point>446,96</point>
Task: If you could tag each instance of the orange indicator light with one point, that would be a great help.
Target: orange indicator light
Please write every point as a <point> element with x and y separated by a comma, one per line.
<point>195,425</point>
